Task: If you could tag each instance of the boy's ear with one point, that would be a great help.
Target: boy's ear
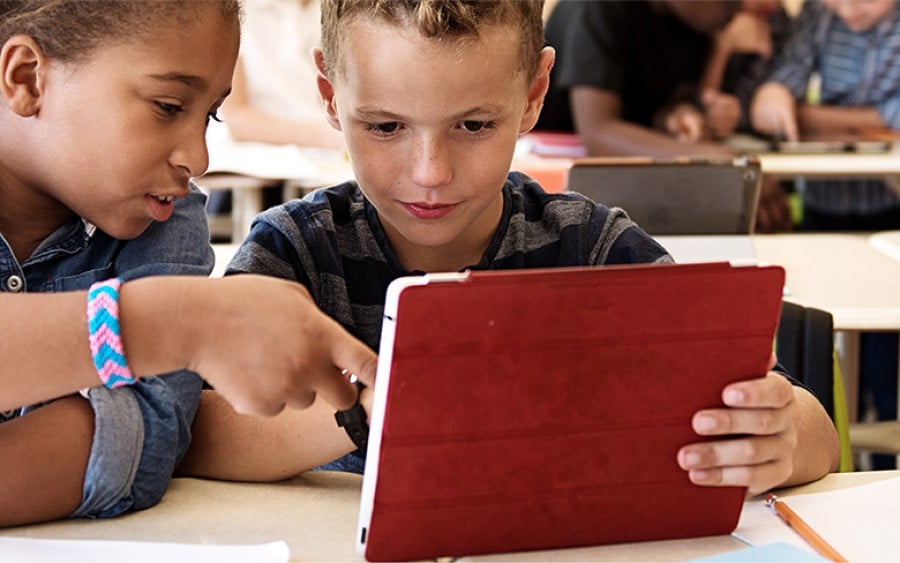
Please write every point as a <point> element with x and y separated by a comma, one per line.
<point>537,90</point>
<point>22,64</point>
<point>326,90</point>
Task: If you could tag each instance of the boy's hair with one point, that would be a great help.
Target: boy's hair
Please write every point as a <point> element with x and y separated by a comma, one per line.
<point>439,19</point>
<point>70,30</point>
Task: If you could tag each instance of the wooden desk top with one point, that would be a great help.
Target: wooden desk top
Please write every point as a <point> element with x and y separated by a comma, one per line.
<point>316,514</point>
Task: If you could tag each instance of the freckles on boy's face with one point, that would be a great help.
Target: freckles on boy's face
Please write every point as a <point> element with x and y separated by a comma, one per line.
<point>860,15</point>
<point>431,126</point>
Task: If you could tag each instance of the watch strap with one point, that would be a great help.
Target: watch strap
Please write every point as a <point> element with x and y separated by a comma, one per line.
<point>355,422</point>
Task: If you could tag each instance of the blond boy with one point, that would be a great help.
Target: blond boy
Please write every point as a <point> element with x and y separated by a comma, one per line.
<point>431,98</point>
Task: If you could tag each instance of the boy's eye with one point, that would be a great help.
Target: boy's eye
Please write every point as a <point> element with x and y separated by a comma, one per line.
<point>169,109</point>
<point>385,128</point>
<point>474,126</point>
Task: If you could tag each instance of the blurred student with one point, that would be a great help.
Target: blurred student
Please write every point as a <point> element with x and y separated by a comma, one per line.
<point>431,98</point>
<point>742,59</point>
<point>628,81</point>
<point>274,97</point>
<point>838,76</point>
<point>103,108</point>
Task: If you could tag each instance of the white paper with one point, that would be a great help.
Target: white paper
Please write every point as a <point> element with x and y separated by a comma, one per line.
<point>29,550</point>
<point>862,523</point>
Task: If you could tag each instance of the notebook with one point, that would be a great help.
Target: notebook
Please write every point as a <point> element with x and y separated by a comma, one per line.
<point>540,409</point>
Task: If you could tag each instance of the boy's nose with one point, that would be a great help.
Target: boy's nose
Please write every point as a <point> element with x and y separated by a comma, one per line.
<point>432,162</point>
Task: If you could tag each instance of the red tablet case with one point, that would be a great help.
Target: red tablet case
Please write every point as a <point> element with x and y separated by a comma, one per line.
<point>540,409</point>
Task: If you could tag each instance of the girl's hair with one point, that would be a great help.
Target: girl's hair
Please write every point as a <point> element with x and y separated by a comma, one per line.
<point>439,19</point>
<point>70,30</point>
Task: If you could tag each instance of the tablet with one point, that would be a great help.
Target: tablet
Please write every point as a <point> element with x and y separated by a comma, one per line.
<point>542,409</point>
<point>683,196</point>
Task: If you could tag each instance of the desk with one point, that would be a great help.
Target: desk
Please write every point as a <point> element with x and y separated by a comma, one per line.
<point>838,165</point>
<point>823,165</point>
<point>840,273</point>
<point>316,515</point>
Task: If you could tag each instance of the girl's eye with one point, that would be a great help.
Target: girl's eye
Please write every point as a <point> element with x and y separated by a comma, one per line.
<point>169,109</point>
<point>214,115</point>
<point>473,126</point>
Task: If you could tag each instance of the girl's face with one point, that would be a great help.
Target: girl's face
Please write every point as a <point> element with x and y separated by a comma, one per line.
<point>860,15</point>
<point>117,137</point>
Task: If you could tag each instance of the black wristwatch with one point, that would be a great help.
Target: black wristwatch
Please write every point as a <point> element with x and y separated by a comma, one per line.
<point>355,422</point>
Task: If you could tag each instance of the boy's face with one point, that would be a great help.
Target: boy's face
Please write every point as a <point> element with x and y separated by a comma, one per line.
<point>117,136</point>
<point>431,126</point>
<point>860,15</point>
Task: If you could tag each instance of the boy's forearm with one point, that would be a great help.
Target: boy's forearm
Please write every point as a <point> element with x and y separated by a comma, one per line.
<point>817,120</point>
<point>227,445</point>
<point>818,448</point>
<point>620,138</point>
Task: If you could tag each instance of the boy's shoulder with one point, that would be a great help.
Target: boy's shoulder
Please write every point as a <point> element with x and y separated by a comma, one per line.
<point>341,202</point>
<point>532,197</point>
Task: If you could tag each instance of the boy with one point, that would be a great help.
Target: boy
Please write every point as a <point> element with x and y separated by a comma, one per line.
<point>431,97</point>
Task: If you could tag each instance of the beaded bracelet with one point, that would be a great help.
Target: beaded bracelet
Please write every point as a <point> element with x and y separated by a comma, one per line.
<point>105,336</point>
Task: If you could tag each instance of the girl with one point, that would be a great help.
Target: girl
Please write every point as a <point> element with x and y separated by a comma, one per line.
<point>104,111</point>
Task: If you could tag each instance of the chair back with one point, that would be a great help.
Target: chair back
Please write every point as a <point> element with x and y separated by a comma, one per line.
<point>686,196</point>
<point>805,347</point>
<point>804,344</point>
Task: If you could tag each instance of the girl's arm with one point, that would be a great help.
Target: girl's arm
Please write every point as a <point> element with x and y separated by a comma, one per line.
<point>259,341</point>
<point>246,123</point>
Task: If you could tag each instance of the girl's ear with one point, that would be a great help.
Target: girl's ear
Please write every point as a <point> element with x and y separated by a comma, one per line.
<point>537,90</point>
<point>22,64</point>
<point>326,90</point>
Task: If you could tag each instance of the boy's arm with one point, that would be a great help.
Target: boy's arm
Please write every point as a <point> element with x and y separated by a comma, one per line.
<point>786,437</point>
<point>226,445</point>
<point>597,117</point>
<point>817,120</point>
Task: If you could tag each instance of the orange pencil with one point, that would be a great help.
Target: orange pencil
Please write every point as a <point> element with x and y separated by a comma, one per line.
<point>802,528</point>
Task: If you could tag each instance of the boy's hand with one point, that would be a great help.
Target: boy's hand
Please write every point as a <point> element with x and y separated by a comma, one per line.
<point>685,123</point>
<point>763,413</point>
<point>723,112</point>
<point>773,111</point>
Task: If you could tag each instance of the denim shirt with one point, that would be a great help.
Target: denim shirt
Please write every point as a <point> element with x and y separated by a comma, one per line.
<point>78,254</point>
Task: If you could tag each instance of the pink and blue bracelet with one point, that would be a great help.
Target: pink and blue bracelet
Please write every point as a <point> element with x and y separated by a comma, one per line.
<point>105,334</point>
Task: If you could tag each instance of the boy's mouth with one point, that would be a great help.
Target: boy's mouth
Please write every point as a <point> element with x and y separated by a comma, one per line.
<point>422,210</point>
